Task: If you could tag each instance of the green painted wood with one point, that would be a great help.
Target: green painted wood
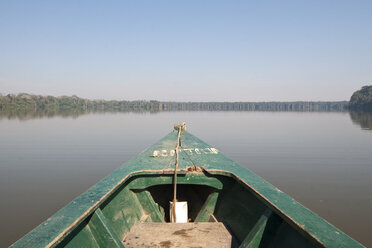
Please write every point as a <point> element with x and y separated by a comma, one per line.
<point>57,227</point>
<point>149,206</point>
<point>190,178</point>
<point>287,236</point>
<point>125,227</point>
<point>254,237</point>
<point>239,210</point>
<point>273,224</point>
<point>207,208</point>
<point>84,239</point>
<point>122,210</point>
<point>103,232</point>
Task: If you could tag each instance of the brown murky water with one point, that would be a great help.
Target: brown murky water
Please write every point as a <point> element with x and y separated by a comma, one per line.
<point>323,160</point>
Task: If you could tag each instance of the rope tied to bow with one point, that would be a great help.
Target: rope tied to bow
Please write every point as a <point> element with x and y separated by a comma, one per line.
<point>178,128</point>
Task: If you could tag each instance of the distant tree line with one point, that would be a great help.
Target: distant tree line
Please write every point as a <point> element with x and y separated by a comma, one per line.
<point>28,102</point>
<point>28,105</point>
<point>362,99</point>
<point>254,106</point>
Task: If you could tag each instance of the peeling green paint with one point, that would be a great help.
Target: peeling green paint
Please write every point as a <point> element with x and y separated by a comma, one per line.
<point>241,193</point>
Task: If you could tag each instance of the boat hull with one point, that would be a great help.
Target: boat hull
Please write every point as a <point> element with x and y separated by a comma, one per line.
<point>217,189</point>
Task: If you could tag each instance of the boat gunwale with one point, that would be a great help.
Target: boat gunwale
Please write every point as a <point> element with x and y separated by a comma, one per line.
<point>63,222</point>
<point>170,172</point>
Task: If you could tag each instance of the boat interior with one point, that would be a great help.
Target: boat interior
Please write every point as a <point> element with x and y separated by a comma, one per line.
<point>222,212</point>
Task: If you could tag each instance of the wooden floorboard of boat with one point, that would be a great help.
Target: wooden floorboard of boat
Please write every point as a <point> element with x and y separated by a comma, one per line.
<point>189,235</point>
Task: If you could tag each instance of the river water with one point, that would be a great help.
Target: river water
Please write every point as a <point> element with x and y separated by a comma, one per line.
<point>323,160</point>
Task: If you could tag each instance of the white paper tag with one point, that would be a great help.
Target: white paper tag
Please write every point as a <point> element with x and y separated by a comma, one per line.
<point>181,212</point>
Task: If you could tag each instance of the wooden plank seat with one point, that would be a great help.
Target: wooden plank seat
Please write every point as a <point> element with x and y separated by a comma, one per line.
<point>190,235</point>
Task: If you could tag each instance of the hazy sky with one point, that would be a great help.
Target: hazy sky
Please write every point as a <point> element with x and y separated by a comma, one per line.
<point>186,50</point>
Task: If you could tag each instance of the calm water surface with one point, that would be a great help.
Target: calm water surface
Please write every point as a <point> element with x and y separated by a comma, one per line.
<point>323,160</point>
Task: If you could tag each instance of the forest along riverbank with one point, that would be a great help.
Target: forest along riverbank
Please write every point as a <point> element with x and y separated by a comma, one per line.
<point>26,103</point>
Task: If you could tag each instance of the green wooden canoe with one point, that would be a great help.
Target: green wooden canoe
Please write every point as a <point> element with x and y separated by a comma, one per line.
<point>227,205</point>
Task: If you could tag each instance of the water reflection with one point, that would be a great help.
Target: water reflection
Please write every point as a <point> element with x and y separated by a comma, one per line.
<point>22,114</point>
<point>50,113</point>
<point>362,118</point>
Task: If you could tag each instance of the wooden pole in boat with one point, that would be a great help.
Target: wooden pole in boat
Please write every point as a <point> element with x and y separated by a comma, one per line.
<point>179,127</point>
